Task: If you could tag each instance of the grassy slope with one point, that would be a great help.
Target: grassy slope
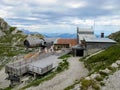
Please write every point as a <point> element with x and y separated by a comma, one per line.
<point>115,36</point>
<point>7,49</point>
<point>103,59</point>
<point>95,63</point>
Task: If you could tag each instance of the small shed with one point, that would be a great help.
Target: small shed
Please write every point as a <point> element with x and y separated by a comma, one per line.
<point>32,41</point>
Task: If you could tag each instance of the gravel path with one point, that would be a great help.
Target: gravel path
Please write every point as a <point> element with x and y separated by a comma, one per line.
<point>59,82</point>
<point>113,82</point>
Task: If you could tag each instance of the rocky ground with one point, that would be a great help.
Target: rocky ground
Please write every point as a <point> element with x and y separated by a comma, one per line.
<point>113,82</point>
<point>75,72</point>
<point>3,82</point>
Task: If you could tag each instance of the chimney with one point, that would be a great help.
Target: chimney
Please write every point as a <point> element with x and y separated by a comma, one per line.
<point>102,35</point>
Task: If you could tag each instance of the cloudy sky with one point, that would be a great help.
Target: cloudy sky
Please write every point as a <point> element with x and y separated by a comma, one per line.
<point>62,16</point>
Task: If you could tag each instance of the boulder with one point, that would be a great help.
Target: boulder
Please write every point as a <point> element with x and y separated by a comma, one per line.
<point>106,71</point>
<point>114,65</point>
<point>93,76</point>
<point>87,78</point>
<point>118,62</point>
<point>77,87</point>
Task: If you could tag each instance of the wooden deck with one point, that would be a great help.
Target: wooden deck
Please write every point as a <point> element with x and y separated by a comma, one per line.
<point>39,65</point>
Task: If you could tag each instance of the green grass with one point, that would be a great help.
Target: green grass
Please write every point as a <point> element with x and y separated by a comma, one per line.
<point>87,83</point>
<point>102,83</point>
<point>115,36</point>
<point>40,80</point>
<point>7,88</point>
<point>100,61</point>
<point>100,78</point>
<point>103,59</point>
<point>65,56</point>
<point>72,86</point>
<point>7,49</point>
<point>62,65</point>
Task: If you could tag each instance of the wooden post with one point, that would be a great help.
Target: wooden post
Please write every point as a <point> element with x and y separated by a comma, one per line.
<point>35,75</point>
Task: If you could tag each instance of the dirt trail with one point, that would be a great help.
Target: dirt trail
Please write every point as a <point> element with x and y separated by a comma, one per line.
<point>59,82</point>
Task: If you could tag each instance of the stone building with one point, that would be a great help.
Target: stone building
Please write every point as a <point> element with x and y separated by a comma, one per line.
<point>88,43</point>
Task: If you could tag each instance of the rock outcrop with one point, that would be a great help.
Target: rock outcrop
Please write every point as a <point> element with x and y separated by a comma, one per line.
<point>3,27</point>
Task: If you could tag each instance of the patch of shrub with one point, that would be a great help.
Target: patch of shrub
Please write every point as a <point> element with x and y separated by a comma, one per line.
<point>102,83</point>
<point>64,56</point>
<point>99,78</point>
<point>12,29</point>
<point>103,73</point>
<point>112,69</point>
<point>85,84</point>
<point>62,65</point>
<point>72,86</point>
<point>96,86</point>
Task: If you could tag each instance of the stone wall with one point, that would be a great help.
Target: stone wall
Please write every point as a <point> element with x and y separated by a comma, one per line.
<point>95,47</point>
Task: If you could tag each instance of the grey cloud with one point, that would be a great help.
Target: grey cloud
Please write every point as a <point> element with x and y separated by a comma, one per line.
<point>58,13</point>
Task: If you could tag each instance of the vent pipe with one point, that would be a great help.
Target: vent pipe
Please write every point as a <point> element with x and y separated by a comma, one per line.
<point>77,35</point>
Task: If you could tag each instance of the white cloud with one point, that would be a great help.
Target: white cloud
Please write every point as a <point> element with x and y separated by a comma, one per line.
<point>31,18</point>
<point>13,2</point>
<point>108,20</point>
<point>109,7</point>
<point>42,2</point>
<point>87,22</point>
<point>3,13</point>
<point>74,4</point>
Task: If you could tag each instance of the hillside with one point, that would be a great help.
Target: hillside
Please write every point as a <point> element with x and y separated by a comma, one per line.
<point>115,36</point>
<point>103,59</point>
<point>11,43</point>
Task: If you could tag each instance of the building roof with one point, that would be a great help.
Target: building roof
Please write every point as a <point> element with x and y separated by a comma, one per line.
<point>44,62</point>
<point>66,41</point>
<point>85,30</point>
<point>99,40</point>
<point>82,36</point>
<point>33,40</point>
